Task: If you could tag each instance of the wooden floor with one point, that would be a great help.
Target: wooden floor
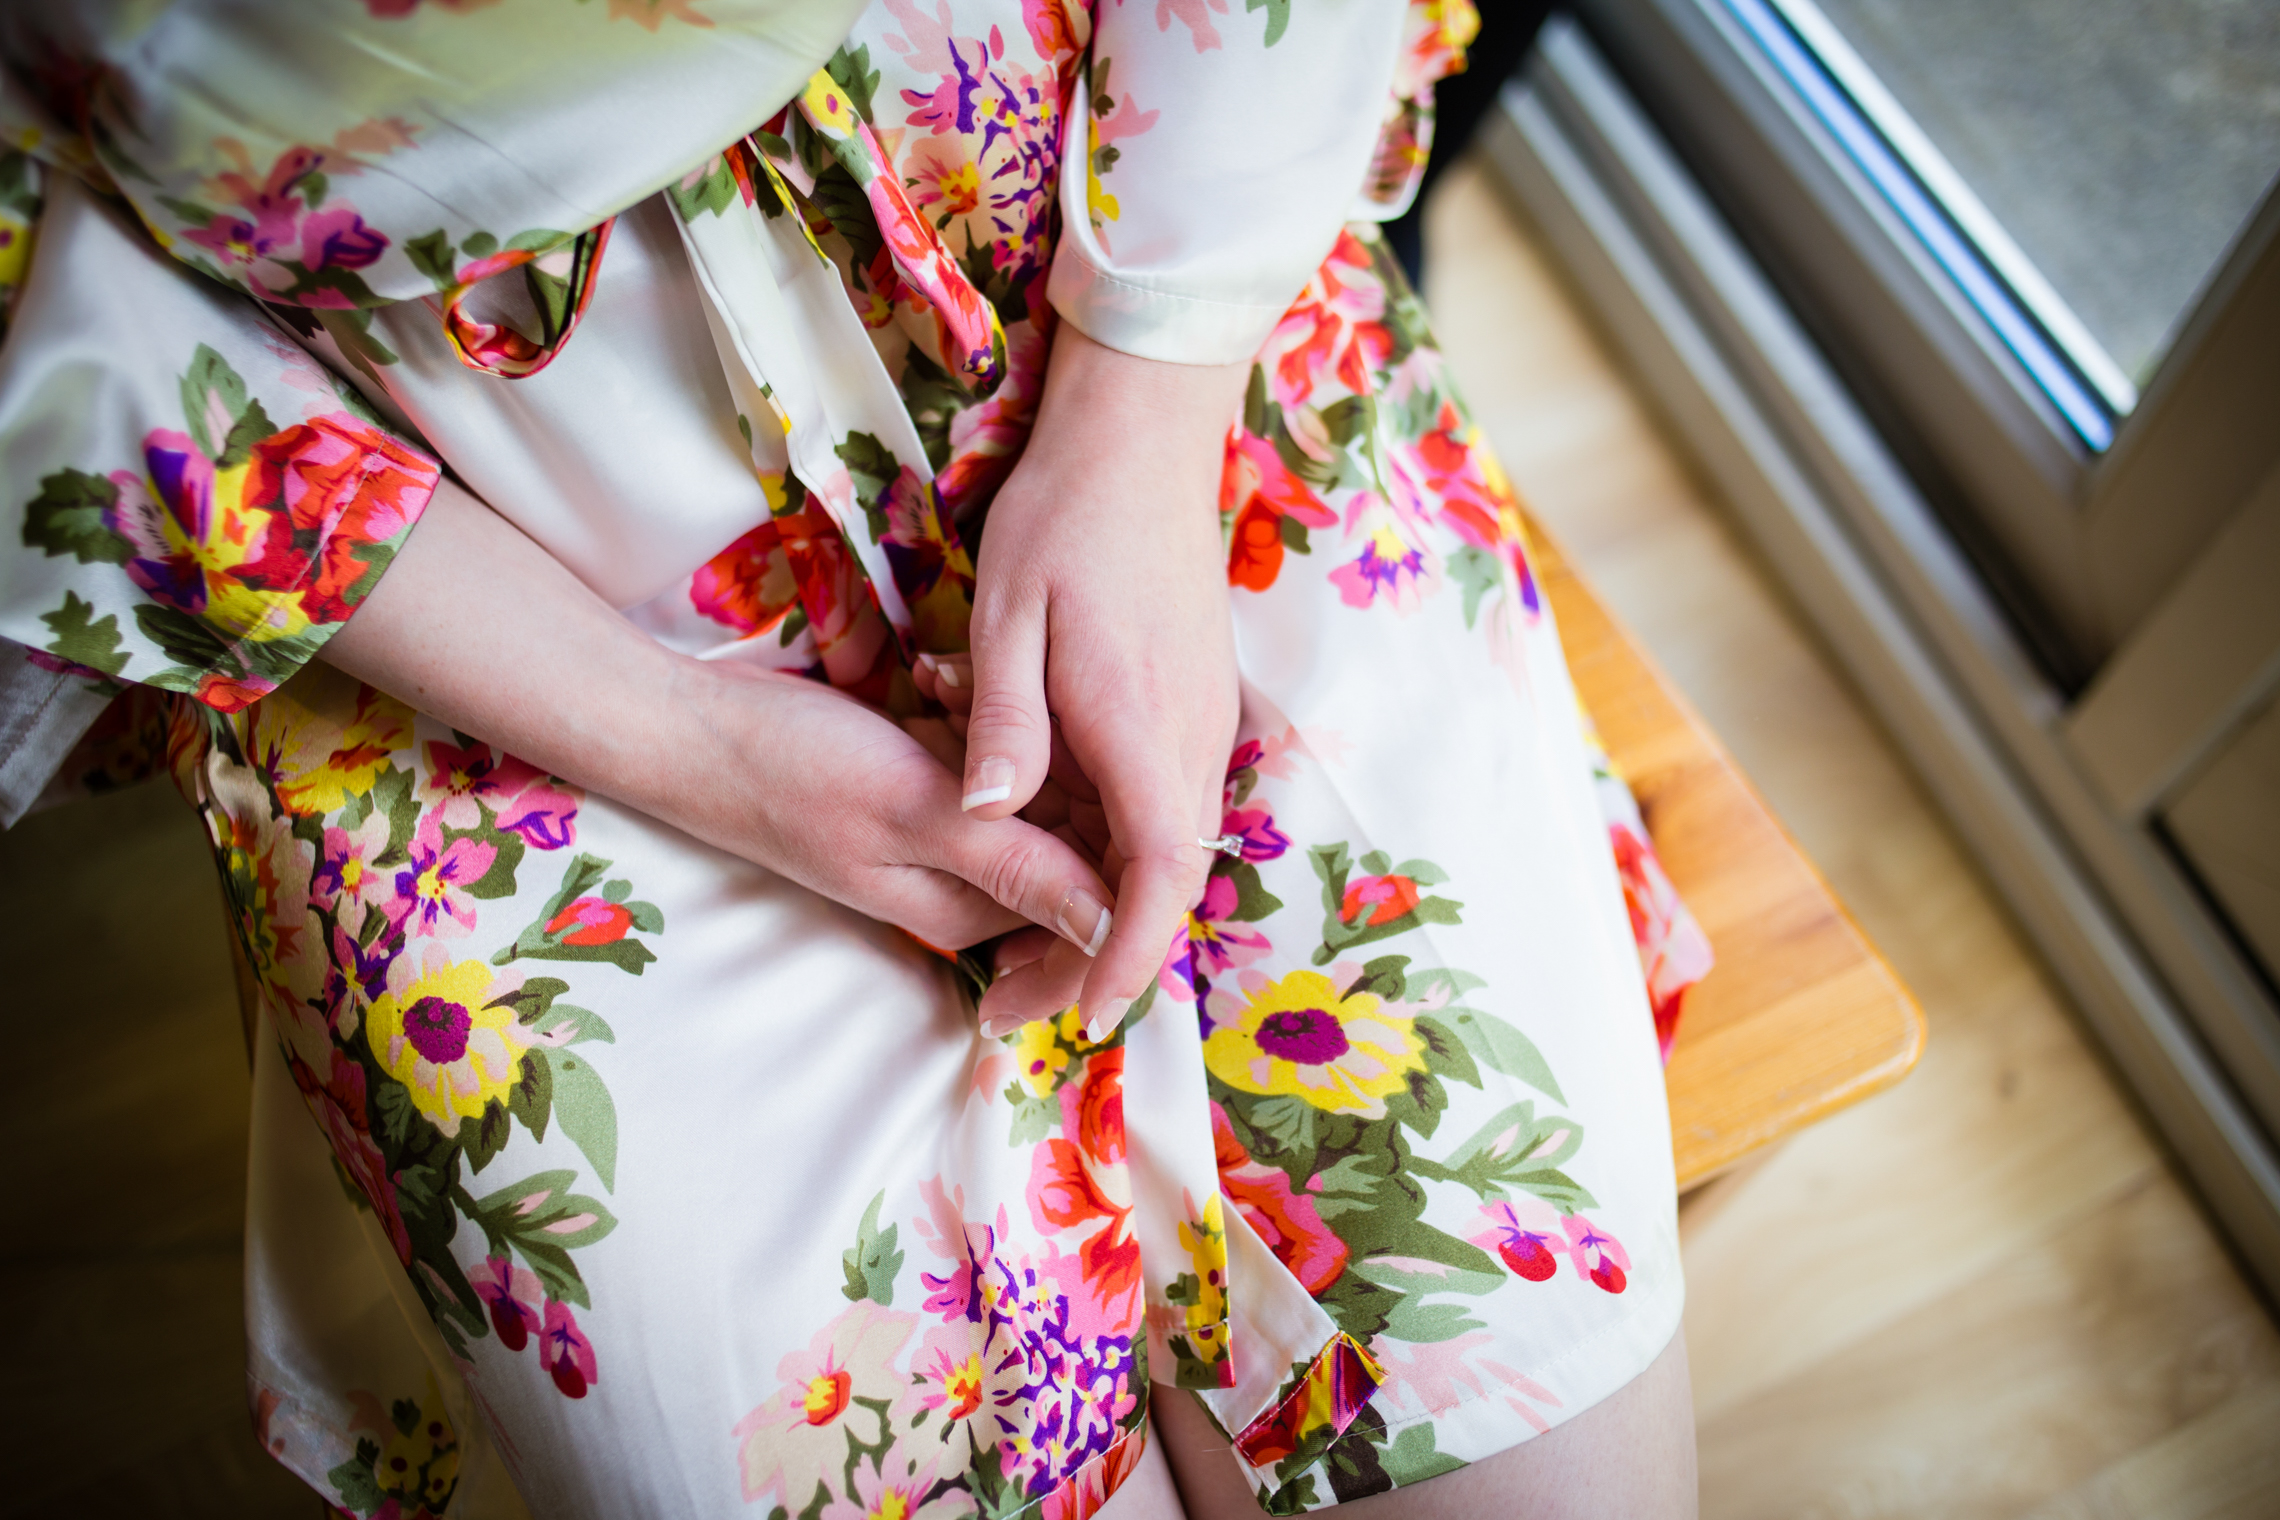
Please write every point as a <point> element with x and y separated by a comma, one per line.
<point>1983,1294</point>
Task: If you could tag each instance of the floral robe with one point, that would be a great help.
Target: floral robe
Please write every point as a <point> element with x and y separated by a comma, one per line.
<point>642,1181</point>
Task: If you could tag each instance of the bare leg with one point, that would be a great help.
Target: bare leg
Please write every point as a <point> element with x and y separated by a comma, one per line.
<point>1149,1494</point>
<point>1630,1456</point>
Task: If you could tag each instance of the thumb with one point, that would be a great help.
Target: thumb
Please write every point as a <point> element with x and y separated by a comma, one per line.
<point>1009,737</point>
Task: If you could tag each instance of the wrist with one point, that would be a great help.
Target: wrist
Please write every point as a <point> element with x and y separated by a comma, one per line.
<point>1089,380</point>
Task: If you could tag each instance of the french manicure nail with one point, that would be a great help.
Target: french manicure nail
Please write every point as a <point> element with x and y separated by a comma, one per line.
<point>1104,1021</point>
<point>947,673</point>
<point>929,663</point>
<point>988,780</point>
<point>1078,910</point>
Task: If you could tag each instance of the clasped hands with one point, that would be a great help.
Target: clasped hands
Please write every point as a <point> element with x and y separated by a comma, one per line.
<point>1099,702</point>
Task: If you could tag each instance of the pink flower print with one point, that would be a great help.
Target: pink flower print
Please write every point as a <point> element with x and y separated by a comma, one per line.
<point>340,239</point>
<point>896,1490</point>
<point>1051,31</point>
<point>431,891</point>
<point>1176,976</point>
<point>800,1436</point>
<point>1387,568</point>
<point>1597,1254</point>
<point>237,241</point>
<point>1374,900</point>
<point>512,1295</point>
<point>460,783</point>
<point>960,63</point>
<point>1262,841</point>
<point>591,921</point>
<point>1191,14</point>
<point>948,1376</point>
<point>544,814</point>
<point>346,878</point>
<point>1525,1233</point>
<point>566,1353</point>
<point>1220,945</point>
<point>1334,336</point>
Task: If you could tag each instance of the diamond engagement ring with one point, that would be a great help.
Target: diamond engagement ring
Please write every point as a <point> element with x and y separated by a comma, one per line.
<point>1230,845</point>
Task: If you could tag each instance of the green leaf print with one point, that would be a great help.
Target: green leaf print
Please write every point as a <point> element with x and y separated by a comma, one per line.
<point>353,1480</point>
<point>68,517</point>
<point>1517,1150</point>
<point>222,417</point>
<point>184,639</point>
<point>1340,933</point>
<point>853,73</point>
<point>531,1100</point>
<point>430,254</point>
<point>1278,17</point>
<point>1476,573</point>
<point>1497,1045</point>
<point>543,1223</point>
<point>541,940</point>
<point>871,465</point>
<point>712,193</point>
<point>83,638</point>
<point>1411,1458</point>
<point>587,1113</point>
<point>872,1263</point>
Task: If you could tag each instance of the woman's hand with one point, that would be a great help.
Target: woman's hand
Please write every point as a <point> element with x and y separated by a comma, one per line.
<point>1101,615</point>
<point>480,627</point>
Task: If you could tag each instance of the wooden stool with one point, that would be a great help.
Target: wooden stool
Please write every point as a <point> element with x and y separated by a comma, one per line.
<point>1801,1016</point>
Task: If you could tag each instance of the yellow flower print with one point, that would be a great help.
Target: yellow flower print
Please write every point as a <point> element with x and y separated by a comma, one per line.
<point>436,1031</point>
<point>1098,202</point>
<point>1040,1057</point>
<point>421,1466</point>
<point>234,531</point>
<point>1299,1038</point>
<point>1044,1048</point>
<point>327,737</point>
<point>1205,1241</point>
<point>826,105</point>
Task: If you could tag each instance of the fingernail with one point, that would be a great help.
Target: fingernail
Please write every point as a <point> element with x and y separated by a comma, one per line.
<point>1104,1021</point>
<point>1079,910</point>
<point>929,663</point>
<point>988,780</point>
<point>947,673</point>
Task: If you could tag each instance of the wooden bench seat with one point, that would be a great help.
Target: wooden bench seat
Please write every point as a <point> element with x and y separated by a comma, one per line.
<point>1801,1016</point>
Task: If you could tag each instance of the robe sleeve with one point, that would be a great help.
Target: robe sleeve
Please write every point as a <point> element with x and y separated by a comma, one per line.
<point>1212,155</point>
<point>188,500</point>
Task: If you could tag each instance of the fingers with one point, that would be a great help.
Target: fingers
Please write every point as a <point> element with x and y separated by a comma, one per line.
<point>947,679</point>
<point>1029,871</point>
<point>1009,738</point>
<point>1152,817</point>
<point>1034,989</point>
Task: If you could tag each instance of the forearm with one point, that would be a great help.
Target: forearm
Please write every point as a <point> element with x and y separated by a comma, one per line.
<point>480,627</point>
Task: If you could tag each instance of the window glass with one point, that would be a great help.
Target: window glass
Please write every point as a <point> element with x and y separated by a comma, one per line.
<point>2121,143</point>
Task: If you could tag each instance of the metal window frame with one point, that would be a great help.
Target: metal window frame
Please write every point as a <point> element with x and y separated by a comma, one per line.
<point>1808,466</point>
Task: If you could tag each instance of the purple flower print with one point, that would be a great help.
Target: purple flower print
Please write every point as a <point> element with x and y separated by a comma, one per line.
<point>1388,568</point>
<point>512,1295</point>
<point>1597,1254</point>
<point>566,1353</point>
<point>1219,943</point>
<point>1262,841</point>
<point>339,239</point>
<point>523,799</point>
<point>431,891</point>
<point>1525,1232</point>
